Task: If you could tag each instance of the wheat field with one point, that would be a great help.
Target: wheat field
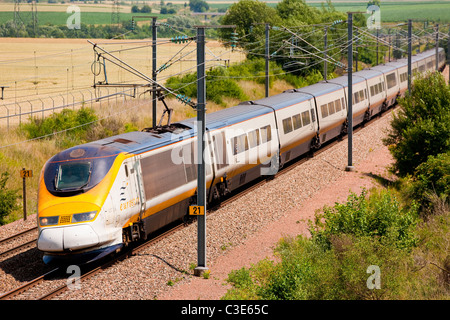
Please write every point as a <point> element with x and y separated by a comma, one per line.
<point>43,73</point>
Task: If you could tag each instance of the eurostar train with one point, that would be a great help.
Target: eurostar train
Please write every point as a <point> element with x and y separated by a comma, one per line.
<point>97,197</point>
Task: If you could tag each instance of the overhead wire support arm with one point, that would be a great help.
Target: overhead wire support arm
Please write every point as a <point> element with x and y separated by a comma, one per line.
<point>170,62</point>
<point>120,63</point>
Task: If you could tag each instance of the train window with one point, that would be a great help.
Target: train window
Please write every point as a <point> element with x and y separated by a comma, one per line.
<point>240,144</point>
<point>287,125</point>
<point>422,68</point>
<point>306,118</point>
<point>380,87</point>
<point>343,103</point>
<point>253,138</point>
<point>355,98</point>
<point>324,110</point>
<point>72,175</point>
<point>313,115</point>
<point>391,80</point>
<point>361,95</point>
<point>337,105</point>
<point>266,134</point>
<point>372,91</point>
<point>331,107</point>
<point>126,170</point>
<point>297,120</point>
<point>403,77</point>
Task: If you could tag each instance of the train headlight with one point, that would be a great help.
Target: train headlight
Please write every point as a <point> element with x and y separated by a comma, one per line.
<point>48,221</point>
<point>85,216</point>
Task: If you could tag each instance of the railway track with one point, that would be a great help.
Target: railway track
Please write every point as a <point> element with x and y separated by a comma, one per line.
<point>54,283</point>
<point>9,246</point>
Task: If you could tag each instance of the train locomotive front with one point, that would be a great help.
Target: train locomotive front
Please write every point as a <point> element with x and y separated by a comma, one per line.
<point>75,205</point>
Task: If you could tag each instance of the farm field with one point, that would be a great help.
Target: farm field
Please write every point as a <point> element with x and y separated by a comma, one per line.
<point>94,14</point>
<point>41,73</point>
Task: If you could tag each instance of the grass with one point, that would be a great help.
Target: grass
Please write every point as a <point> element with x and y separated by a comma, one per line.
<point>90,18</point>
<point>34,69</point>
<point>400,11</point>
<point>391,11</point>
<point>310,268</point>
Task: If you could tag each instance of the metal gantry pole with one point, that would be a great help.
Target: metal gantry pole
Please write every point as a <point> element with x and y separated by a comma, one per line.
<point>201,172</point>
<point>437,47</point>
<point>448,47</point>
<point>356,50</point>
<point>378,31</point>
<point>409,54</point>
<point>350,93</point>
<point>389,35</point>
<point>154,67</point>
<point>267,59</point>
<point>325,52</point>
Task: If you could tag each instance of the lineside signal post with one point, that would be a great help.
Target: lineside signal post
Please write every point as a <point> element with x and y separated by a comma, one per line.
<point>24,174</point>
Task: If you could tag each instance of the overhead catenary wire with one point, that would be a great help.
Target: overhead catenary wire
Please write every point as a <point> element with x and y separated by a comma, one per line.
<point>279,40</point>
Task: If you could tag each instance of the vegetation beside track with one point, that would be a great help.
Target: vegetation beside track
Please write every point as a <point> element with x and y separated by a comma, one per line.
<point>401,228</point>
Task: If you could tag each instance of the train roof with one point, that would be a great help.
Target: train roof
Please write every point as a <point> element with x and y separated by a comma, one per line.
<point>343,80</point>
<point>319,89</point>
<point>398,63</point>
<point>138,141</point>
<point>384,68</point>
<point>282,100</point>
<point>368,73</point>
<point>142,141</point>
<point>229,116</point>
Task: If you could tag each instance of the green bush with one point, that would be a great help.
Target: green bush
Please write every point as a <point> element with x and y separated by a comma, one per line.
<point>333,264</point>
<point>76,121</point>
<point>422,126</point>
<point>72,124</point>
<point>218,85</point>
<point>306,271</point>
<point>8,198</point>
<point>432,179</point>
<point>380,217</point>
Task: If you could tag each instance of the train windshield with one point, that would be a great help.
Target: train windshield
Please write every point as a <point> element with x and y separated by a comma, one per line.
<point>78,169</point>
<point>73,175</point>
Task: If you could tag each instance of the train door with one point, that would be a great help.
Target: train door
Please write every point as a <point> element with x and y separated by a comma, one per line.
<point>312,107</point>
<point>220,152</point>
<point>129,197</point>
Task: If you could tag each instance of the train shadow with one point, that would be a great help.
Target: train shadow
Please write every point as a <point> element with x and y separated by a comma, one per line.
<point>25,266</point>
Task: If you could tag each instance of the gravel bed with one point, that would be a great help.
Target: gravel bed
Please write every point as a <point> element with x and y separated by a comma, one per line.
<point>17,226</point>
<point>155,270</point>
